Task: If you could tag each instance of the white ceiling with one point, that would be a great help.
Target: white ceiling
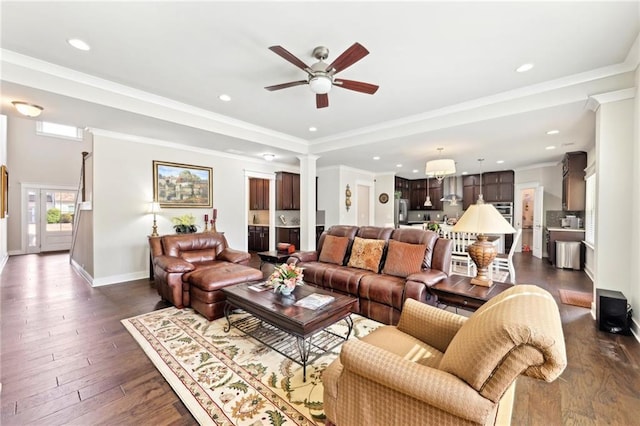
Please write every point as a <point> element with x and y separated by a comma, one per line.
<point>445,71</point>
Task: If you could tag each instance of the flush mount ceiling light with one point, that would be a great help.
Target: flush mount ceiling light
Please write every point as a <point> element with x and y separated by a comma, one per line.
<point>441,167</point>
<point>524,68</point>
<point>30,110</point>
<point>79,44</point>
<point>268,157</point>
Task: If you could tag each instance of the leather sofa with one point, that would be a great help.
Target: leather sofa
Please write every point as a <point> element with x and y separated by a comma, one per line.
<point>440,368</point>
<point>382,267</point>
<point>190,270</point>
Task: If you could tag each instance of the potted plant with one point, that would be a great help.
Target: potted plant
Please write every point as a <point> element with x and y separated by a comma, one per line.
<point>185,224</point>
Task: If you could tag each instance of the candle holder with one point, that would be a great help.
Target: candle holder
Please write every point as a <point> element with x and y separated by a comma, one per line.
<point>213,226</point>
<point>206,227</point>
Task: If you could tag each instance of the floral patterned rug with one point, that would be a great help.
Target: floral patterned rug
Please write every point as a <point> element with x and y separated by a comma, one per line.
<point>230,378</point>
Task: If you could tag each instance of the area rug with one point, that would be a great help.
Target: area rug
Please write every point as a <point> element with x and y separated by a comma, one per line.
<point>230,378</point>
<point>576,298</point>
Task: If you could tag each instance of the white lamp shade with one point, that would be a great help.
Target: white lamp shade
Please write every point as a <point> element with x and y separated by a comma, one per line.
<point>483,219</point>
<point>155,207</point>
<point>441,167</point>
<point>320,84</point>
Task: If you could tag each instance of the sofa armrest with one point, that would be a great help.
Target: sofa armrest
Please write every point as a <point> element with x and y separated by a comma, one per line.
<point>429,385</point>
<point>173,264</point>
<point>304,256</point>
<point>234,256</point>
<point>428,277</point>
<point>441,259</point>
<point>434,326</point>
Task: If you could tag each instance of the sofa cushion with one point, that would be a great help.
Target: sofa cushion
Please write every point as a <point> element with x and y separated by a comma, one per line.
<point>404,345</point>
<point>403,258</point>
<point>366,254</point>
<point>334,249</point>
<point>384,289</point>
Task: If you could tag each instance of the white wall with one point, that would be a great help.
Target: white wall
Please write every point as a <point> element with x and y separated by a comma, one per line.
<point>123,189</point>
<point>385,183</point>
<point>550,177</point>
<point>332,184</point>
<point>3,222</point>
<point>614,186</point>
<point>634,287</point>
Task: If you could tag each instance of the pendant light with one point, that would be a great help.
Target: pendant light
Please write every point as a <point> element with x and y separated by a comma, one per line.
<point>441,167</point>
<point>427,202</point>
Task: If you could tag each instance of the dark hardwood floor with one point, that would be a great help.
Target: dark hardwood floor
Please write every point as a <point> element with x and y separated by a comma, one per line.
<point>66,358</point>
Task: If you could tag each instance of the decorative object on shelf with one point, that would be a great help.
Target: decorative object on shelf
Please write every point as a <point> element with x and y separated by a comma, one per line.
<point>185,224</point>
<point>154,208</point>
<point>213,221</point>
<point>482,219</point>
<point>206,223</point>
<point>441,167</point>
<point>347,200</point>
<point>285,278</point>
<point>383,198</point>
<point>182,186</point>
<point>27,109</point>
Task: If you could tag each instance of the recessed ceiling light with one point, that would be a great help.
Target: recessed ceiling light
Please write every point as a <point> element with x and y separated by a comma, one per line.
<point>224,98</point>
<point>268,157</point>
<point>398,165</point>
<point>465,173</point>
<point>553,132</point>
<point>524,67</point>
<point>415,170</point>
<point>376,157</point>
<point>79,44</point>
<point>313,129</point>
<point>500,161</point>
<point>550,147</point>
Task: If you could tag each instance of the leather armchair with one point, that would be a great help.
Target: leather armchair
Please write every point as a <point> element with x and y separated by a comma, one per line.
<point>437,367</point>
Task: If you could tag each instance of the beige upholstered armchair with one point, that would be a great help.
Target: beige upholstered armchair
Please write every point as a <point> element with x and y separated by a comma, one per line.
<point>438,368</point>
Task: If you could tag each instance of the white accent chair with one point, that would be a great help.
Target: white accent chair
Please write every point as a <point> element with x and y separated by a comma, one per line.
<point>459,254</point>
<point>505,261</point>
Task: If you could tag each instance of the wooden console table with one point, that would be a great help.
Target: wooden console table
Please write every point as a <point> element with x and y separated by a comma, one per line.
<point>457,290</point>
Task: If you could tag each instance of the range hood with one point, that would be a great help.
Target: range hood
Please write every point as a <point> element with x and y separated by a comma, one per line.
<point>452,189</point>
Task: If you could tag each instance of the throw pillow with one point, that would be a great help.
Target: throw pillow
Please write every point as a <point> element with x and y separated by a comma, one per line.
<point>333,249</point>
<point>366,254</point>
<point>403,259</point>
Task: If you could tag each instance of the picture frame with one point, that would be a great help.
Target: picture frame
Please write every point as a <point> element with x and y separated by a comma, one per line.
<point>4,197</point>
<point>177,185</point>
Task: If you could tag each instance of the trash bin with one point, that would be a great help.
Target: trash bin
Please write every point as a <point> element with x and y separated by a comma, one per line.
<point>568,254</point>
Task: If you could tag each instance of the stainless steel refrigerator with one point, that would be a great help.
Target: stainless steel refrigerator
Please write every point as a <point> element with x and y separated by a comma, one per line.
<point>401,211</point>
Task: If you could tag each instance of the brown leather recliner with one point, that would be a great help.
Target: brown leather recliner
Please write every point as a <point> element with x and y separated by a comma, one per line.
<point>190,270</point>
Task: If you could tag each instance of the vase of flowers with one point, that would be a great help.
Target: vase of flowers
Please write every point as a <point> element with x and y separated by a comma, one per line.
<point>285,278</point>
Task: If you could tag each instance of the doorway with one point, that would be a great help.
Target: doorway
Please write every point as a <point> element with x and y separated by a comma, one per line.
<point>48,225</point>
<point>528,216</point>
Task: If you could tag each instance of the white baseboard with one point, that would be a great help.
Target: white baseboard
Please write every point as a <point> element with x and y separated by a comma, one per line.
<point>115,279</point>
<point>589,272</point>
<point>80,270</point>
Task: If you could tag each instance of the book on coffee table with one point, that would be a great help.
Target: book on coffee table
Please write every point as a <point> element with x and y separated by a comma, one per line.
<point>262,286</point>
<point>314,301</point>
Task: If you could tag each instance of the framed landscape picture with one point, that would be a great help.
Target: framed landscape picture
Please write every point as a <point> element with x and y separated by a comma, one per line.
<point>182,186</point>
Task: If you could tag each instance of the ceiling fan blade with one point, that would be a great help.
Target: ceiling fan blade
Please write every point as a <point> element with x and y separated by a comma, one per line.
<point>285,85</point>
<point>322,101</point>
<point>358,86</point>
<point>285,54</point>
<point>348,57</point>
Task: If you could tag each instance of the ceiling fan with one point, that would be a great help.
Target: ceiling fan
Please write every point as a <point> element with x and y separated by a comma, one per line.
<point>321,75</point>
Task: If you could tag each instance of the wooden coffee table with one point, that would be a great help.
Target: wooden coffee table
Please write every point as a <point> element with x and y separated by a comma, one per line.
<point>298,333</point>
<point>457,290</point>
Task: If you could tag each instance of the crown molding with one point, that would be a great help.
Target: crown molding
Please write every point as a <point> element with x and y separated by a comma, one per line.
<point>594,101</point>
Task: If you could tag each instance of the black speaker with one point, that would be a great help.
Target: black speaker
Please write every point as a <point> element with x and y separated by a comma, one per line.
<point>613,314</point>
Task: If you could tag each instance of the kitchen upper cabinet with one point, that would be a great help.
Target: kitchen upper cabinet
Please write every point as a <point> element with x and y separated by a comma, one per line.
<point>258,238</point>
<point>287,191</point>
<point>498,186</point>
<point>436,192</point>
<point>417,194</point>
<point>470,190</point>
<point>402,186</point>
<point>573,183</point>
<point>258,194</point>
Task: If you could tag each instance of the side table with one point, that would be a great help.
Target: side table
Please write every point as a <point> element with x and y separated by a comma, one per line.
<point>457,290</point>
<point>272,256</point>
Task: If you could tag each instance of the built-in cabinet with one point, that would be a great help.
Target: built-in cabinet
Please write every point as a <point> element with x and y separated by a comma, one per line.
<point>559,235</point>
<point>418,192</point>
<point>403,187</point>
<point>498,186</point>
<point>573,183</point>
<point>292,235</point>
<point>287,191</point>
<point>258,238</point>
<point>470,190</point>
<point>258,194</point>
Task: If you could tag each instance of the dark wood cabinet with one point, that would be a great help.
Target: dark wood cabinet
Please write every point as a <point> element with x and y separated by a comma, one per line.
<point>258,194</point>
<point>287,191</point>
<point>470,190</point>
<point>498,186</point>
<point>258,238</point>
<point>558,235</point>
<point>417,194</point>
<point>436,192</point>
<point>402,186</point>
<point>289,235</point>
<point>573,183</point>
<point>319,231</point>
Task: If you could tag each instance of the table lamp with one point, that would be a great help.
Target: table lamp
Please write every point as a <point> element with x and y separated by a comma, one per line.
<point>482,219</point>
<point>155,209</point>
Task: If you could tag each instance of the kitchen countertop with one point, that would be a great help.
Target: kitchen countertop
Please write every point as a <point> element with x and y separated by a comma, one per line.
<point>556,229</point>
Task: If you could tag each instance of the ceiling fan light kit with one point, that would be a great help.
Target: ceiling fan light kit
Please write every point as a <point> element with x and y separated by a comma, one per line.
<point>321,76</point>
